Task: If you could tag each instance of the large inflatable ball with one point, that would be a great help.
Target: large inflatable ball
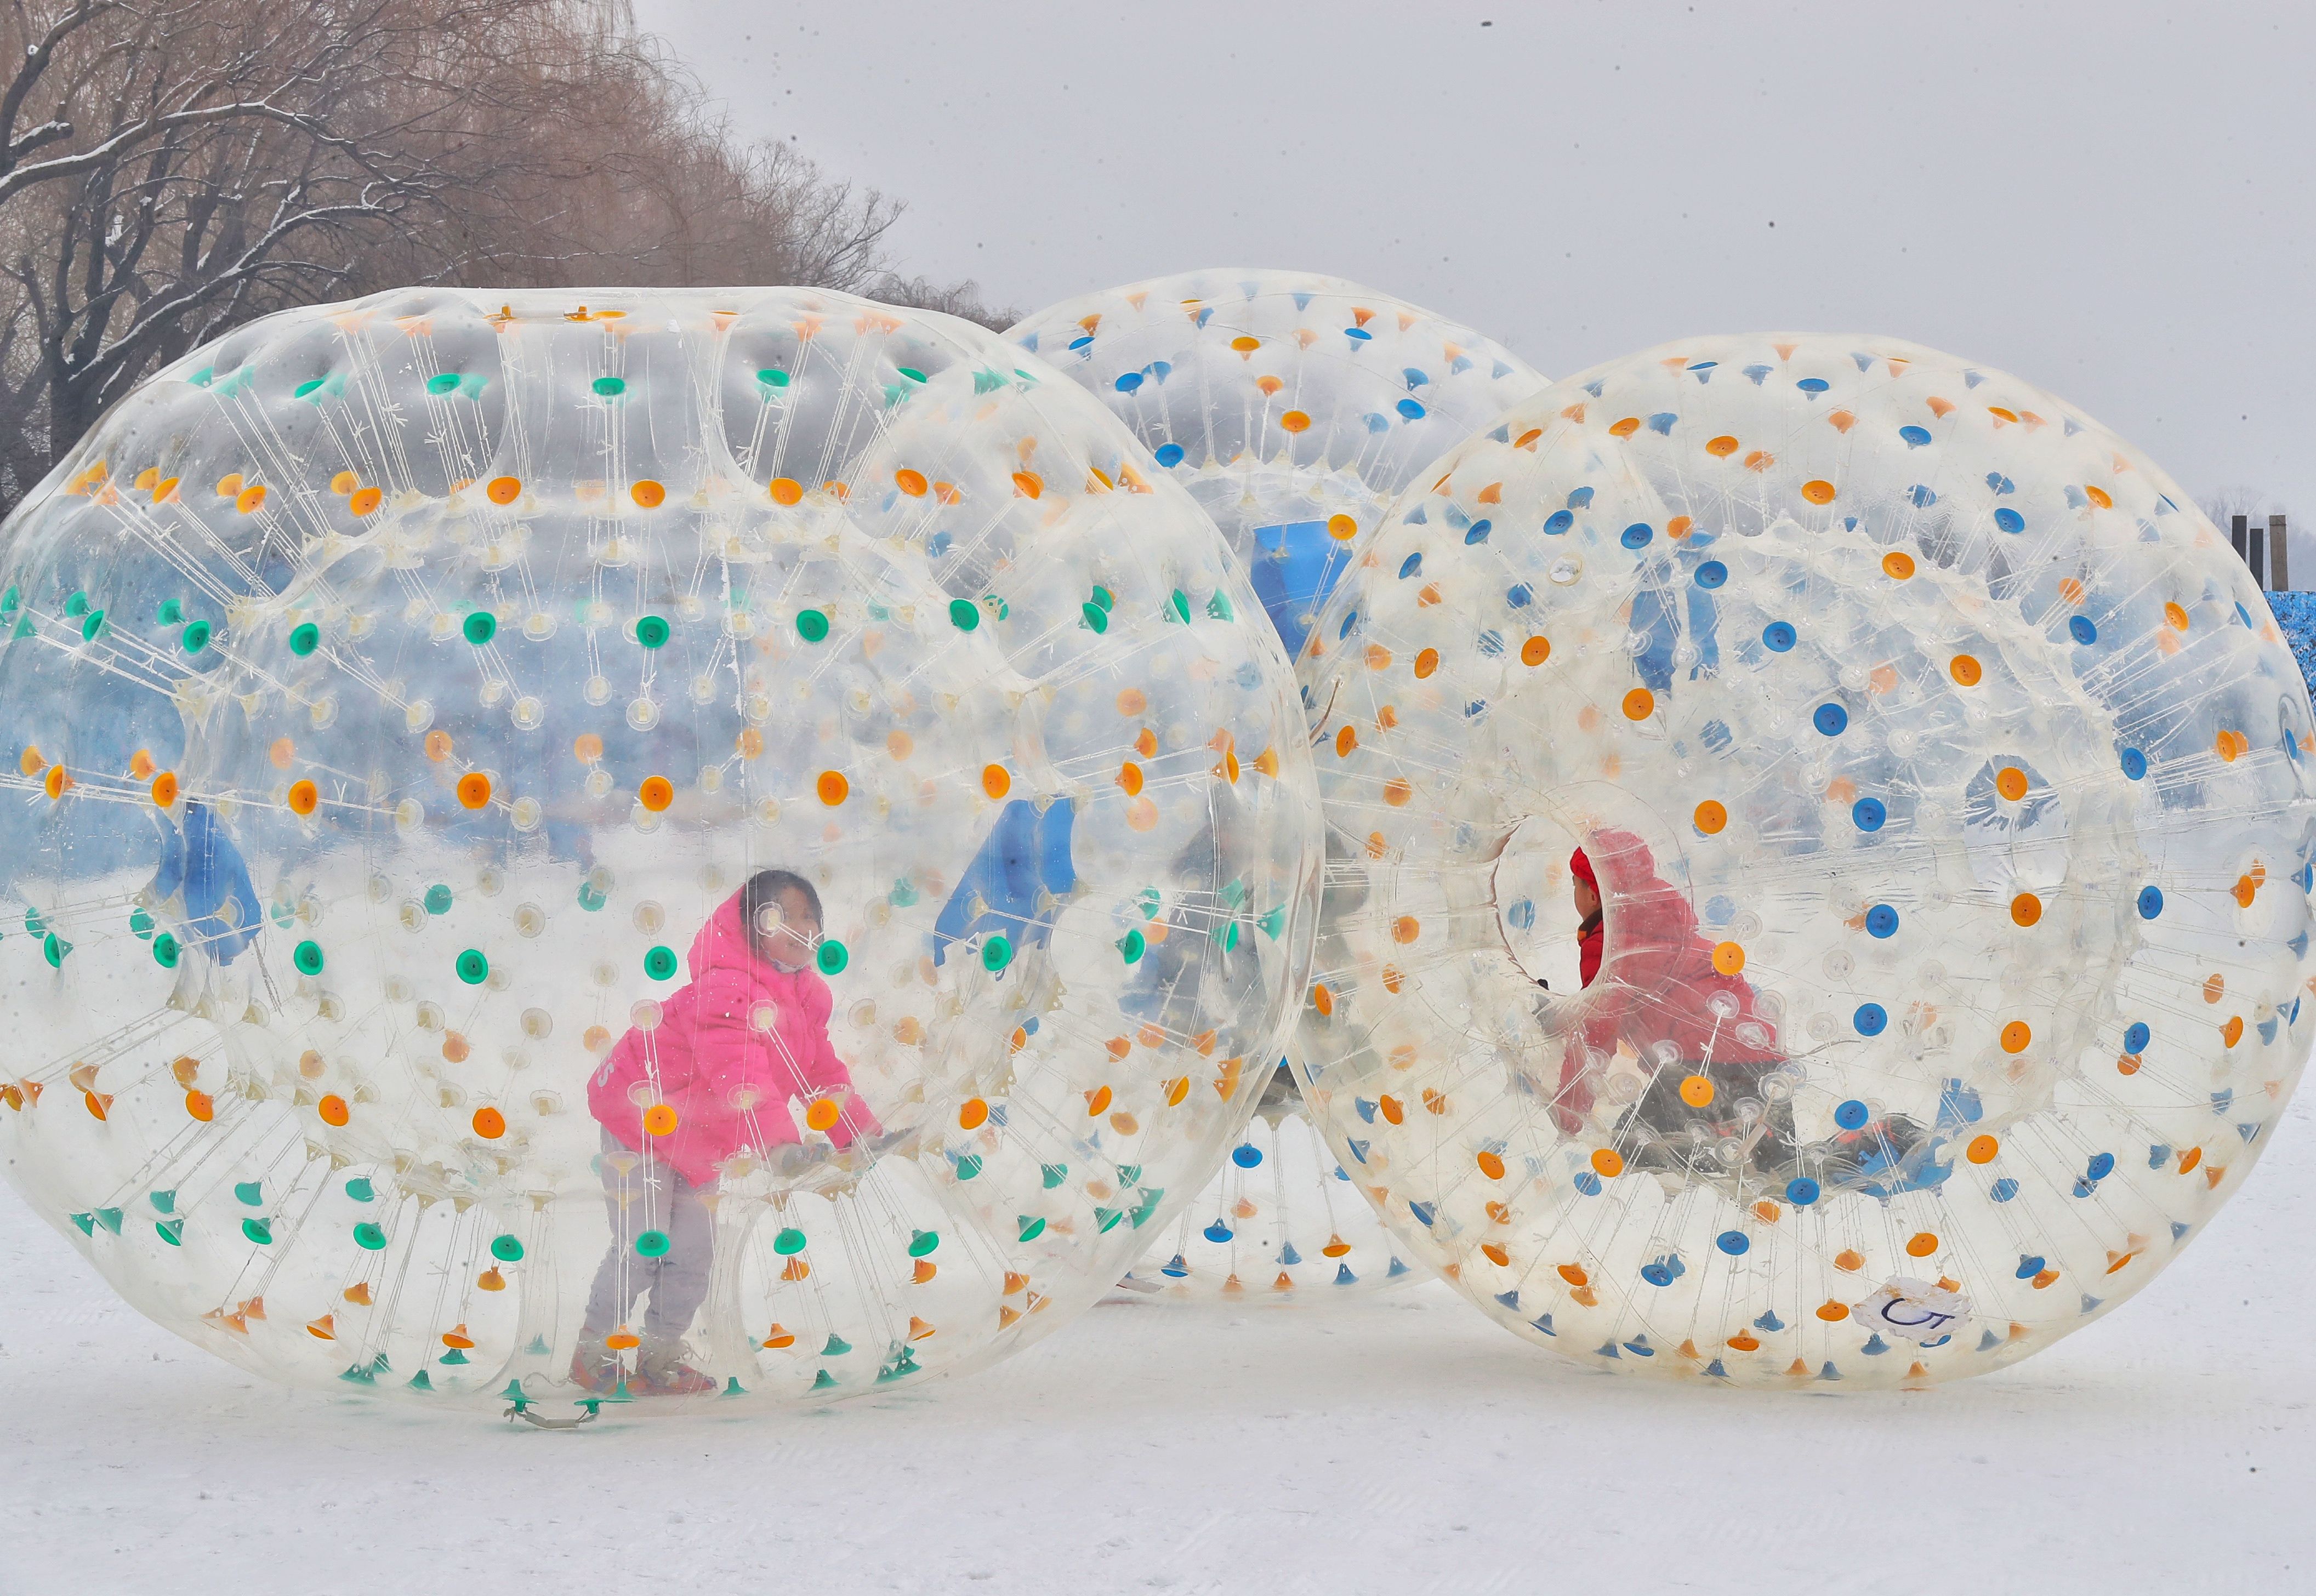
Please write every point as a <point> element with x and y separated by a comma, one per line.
<point>579,848</point>
<point>1836,828</point>
<point>1295,407</point>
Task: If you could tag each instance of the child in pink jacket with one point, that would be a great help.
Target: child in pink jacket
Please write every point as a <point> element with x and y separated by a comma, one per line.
<point>748,1033</point>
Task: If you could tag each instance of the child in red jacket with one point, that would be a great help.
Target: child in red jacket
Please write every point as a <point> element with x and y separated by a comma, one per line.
<point>711,1081</point>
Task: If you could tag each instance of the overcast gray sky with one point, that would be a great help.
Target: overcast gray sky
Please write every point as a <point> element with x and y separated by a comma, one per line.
<point>2114,200</point>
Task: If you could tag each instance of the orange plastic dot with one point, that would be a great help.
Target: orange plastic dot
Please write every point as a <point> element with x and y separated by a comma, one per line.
<point>2176,616</point>
<point>1965,670</point>
<point>1728,958</point>
<point>648,494</point>
<point>1295,421</point>
<point>912,482</point>
<point>1721,448</point>
<point>1981,1149</point>
<point>1397,791</point>
<point>1640,704</point>
<point>455,1047</point>
<point>438,745</point>
<point>201,1106</point>
<point>1491,1166</point>
<point>1626,428</point>
<point>504,490</point>
<point>250,498</point>
<point>1711,816</point>
<point>1536,651</point>
<point>2099,496</point>
<point>1028,483</point>
<point>31,761</point>
<point>1342,527</point>
<point>1246,343</point>
<point>587,747</point>
<point>305,797</point>
<point>342,484</point>
<point>996,781</point>
<point>1406,929</point>
<point>58,782</point>
<point>1697,1091</point>
<point>489,1124</point>
<point>1346,740</point>
<point>2025,908</point>
<point>140,764</point>
<point>1607,1162</point>
<point>165,788</point>
<point>2010,781</point>
<point>660,1118</point>
<point>365,500</point>
<point>787,490</point>
<point>1818,492</point>
<point>1898,565</point>
<point>1426,662</point>
<point>333,1109</point>
<point>1132,700</point>
<point>473,789</point>
<point>2015,1036</point>
<point>1832,1312</point>
<point>823,1115</point>
<point>1680,527</point>
<point>832,788</point>
<point>973,1115</point>
<point>1129,777</point>
<point>1097,1101</point>
<point>1849,1259</point>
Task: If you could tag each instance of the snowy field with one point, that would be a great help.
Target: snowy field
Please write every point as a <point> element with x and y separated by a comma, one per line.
<point>1397,1443</point>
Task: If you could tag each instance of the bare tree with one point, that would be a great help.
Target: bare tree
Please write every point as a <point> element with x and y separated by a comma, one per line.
<point>171,168</point>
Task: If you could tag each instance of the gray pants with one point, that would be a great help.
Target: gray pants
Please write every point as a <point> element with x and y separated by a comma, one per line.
<point>658,1199</point>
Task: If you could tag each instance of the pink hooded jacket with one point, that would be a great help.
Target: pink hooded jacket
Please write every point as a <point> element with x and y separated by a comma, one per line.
<point>728,1080</point>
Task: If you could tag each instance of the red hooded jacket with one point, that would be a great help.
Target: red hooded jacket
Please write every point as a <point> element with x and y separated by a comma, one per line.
<point>729,1051</point>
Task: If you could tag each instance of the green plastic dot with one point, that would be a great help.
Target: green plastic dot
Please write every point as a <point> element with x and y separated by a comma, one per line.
<point>94,626</point>
<point>1220,608</point>
<point>311,383</point>
<point>76,604</point>
<point>996,953</point>
<point>968,1166</point>
<point>924,1242</point>
<point>35,923</point>
<point>964,614</point>
<point>812,626</point>
<point>1225,936</point>
<point>360,1190</point>
<point>481,627</point>
<point>1131,945</point>
<point>304,639</point>
<point>259,1231</point>
<point>194,637</point>
<point>507,1249</point>
<point>368,1237</point>
<point>773,378</point>
<point>171,1231</point>
<point>54,948</point>
<point>473,967</point>
<point>591,897</point>
<point>652,1243</point>
<point>1097,619</point>
<point>140,922</point>
<point>1032,1227</point>
<point>837,1346</point>
<point>651,631</point>
<point>250,1194</point>
<point>308,958</point>
<point>438,899</point>
<point>659,963</point>
<point>831,957</point>
<point>912,373</point>
<point>170,613</point>
<point>788,1243</point>
<point>611,386</point>
<point>1179,606</point>
<point>1106,599</point>
<point>1053,1174</point>
<point>9,600</point>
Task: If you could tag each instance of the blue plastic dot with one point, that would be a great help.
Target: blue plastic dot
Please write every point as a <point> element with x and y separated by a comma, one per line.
<point>2081,629</point>
<point>1246,1156</point>
<point>1587,1183</point>
<point>1637,535</point>
<point>1712,574</point>
<point>1800,1192</point>
<point>2135,764</point>
<point>1812,385</point>
<point>1557,522</point>
<point>1881,922</point>
<point>2151,901</point>
<point>1410,410</point>
<point>1867,814</point>
<point>1218,1232</point>
<point>1733,1243</point>
<point>2102,1165</point>
<point>1915,437</point>
<point>1411,565</point>
<point>2009,520</point>
<point>1170,455</point>
<point>1777,637</point>
<point>2003,1190</point>
<point>1477,532</point>
<point>1832,719</point>
<point>1127,383</point>
<point>1851,1115</point>
<point>1871,1020</point>
<point>2135,1039</point>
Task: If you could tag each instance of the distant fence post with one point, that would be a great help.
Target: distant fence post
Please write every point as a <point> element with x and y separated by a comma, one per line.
<point>2262,548</point>
<point>2280,576</point>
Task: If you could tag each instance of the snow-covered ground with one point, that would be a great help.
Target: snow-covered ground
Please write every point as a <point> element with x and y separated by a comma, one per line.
<point>1393,1443</point>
